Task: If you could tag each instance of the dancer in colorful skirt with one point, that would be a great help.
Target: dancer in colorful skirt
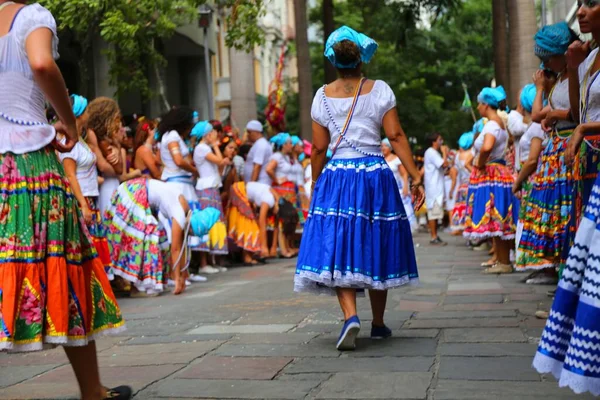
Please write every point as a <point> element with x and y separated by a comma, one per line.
<point>208,159</point>
<point>303,202</point>
<point>401,177</point>
<point>547,210</point>
<point>464,165</point>
<point>355,237</point>
<point>490,199</point>
<point>246,230</point>
<point>570,344</point>
<point>280,170</point>
<point>530,148</point>
<point>53,287</point>
<point>140,243</point>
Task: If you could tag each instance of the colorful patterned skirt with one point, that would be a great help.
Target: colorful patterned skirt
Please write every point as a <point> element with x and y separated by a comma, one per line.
<point>216,242</point>
<point>354,236</point>
<point>53,287</point>
<point>492,209</point>
<point>291,192</point>
<point>547,210</point>
<point>137,240</point>
<point>459,213</point>
<point>570,344</point>
<point>98,231</point>
<point>241,220</point>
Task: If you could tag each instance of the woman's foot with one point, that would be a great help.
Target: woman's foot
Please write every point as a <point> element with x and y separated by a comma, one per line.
<point>499,268</point>
<point>119,393</point>
<point>380,332</point>
<point>347,339</point>
<point>489,263</point>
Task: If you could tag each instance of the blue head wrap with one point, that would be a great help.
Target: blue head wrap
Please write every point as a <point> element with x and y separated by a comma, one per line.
<point>329,153</point>
<point>195,117</point>
<point>280,139</point>
<point>296,140</point>
<point>528,96</point>
<point>366,46</point>
<point>80,103</point>
<point>466,140</point>
<point>386,142</point>
<point>200,129</point>
<point>553,40</point>
<point>478,126</point>
<point>492,96</point>
<point>203,220</point>
<point>301,157</point>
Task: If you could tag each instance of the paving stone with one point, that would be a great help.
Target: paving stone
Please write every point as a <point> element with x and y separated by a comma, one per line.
<point>304,377</point>
<point>463,322</point>
<point>417,333</point>
<point>273,338</point>
<point>54,357</point>
<point>395,347</point>
<point>219,329</point>
<point>482,307</point>
<point>319,328</point>
<point>61,383</point>
<point>488,368</point>
<point>15,374</point>
<point>487,349</point>
<point>407,305</point>
<point>483,335</point>
<point>234,368</point>
<point>279,350</point>
<point>465,314</point>
<point>478,390</point>
<point>230,389</point>
<point>457,286</point>
<point>177,338</point>
<point>429,299</point>
<point>479,299</point>
<point>408,385</point>
<point>380,364</point>
<point>156,354</point>
<point>426,292</point>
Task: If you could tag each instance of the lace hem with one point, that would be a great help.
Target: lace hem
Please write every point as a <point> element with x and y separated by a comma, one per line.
<point>577,383</point>
<point>324,283</point>
<point>487,235</point>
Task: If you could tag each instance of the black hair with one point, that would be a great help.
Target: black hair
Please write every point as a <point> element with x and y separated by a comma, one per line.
<point>288,215</point>
<point>432,138</point>
<point>244,150</point>
<point>347,53</point>
<point>217,125</point>
<point>178,119</point>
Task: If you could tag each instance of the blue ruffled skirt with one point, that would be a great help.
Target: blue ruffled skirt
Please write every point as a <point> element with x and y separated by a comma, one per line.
<point>357,234</point>
<point>570,344</point>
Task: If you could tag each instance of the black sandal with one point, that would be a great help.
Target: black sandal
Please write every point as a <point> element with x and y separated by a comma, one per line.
<point>119,393</point>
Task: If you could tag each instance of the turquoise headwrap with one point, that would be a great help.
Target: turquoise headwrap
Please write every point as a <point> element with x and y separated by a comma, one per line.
<point>296,140</point>
<point>195,117</point>
<point>280,139</point>
<point>386,142</point>
<point>301,157</point>
<point>553,40</point>
<point>80,103</point>
<point>492,96</point>
<point>203,220</point>
<point>466,140</point>
<point>329,153</point>
<point>478,126</point>
<point>528,96</point>
<point>366,46</point>
<point>201,128</point>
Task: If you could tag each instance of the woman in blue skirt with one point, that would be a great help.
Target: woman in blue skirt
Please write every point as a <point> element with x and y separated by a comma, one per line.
<point>357,235</point>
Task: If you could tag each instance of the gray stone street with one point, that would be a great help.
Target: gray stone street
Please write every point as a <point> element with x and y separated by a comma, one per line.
<point>245,335</point>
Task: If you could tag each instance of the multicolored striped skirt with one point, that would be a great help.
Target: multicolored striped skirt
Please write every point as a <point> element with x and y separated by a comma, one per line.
<point>569,347</point>
<point>354,236</point>
<point>53,287</point>
<point>492,209</point>
<point>458,218</point>
<point>137,240</point>
<point>547,209</point>
<point>216,242</point>
<point>98,231</point>
<point>241,220</point>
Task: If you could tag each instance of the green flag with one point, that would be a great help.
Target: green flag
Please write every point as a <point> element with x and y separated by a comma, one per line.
<point>466,104</point>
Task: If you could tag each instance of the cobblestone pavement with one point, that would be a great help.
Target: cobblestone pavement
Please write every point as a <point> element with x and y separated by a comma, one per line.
<point>244,335</point>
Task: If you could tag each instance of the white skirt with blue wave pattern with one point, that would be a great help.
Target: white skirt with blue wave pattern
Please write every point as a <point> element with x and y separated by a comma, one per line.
<point>570,345</point>
<point>357,234</point>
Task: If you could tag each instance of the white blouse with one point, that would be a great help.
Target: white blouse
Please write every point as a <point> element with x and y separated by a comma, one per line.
<point>23,124</point>
<point>284,170</point>
<point>87,174</point>
<point>535,131</point>
<point>492,128</point>
<point>171,169</point>
<point>590,90</point>
<point>364,131</point>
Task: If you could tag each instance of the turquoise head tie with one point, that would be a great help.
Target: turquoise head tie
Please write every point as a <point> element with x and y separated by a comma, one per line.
<point>366,46</point>
<point>296,140</point>
<point>466,140</point>
<point>386,142</point>
<point>200,129</point>
<point>553,40</point>
<point>528,97</point>
<point>203,220</point>
<point>492,96</point>
<point>80,103</point>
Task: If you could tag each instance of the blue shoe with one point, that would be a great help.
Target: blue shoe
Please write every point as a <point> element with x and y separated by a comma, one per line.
<point>380,332</point>
<point>347,340</point>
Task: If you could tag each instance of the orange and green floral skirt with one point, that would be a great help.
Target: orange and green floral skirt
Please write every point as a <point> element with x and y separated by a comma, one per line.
<point>53,287</point>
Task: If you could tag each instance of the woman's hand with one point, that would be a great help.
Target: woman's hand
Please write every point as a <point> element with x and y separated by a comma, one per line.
<point>517,186</point>
<point>113,156</point>
<point>418,194</point>
<point>70,138</point>
<point>539,79</point>
<point>404,191</point>
<point>225,162</point>
<point>87,214</point>
<point>577,53</point>
<point>574,144</point>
